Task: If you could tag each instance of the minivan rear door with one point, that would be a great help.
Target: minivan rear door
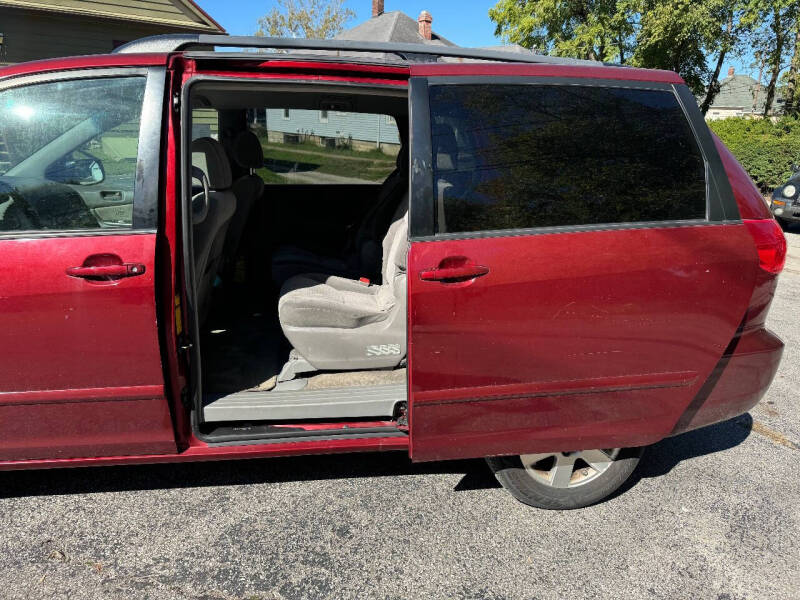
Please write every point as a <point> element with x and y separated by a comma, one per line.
<point>577,263</point>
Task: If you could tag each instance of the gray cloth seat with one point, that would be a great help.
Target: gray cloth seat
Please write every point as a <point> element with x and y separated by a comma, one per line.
<point>361,255</point>
<point>246,152</point>
<point>209,226</point>
<point>342,324</point>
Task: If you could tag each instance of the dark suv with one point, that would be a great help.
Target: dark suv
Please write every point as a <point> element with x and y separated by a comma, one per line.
<point>786,200</point>
<point>330,246</point>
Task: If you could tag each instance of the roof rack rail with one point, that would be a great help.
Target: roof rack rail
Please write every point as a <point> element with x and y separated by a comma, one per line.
<point>186,41</point>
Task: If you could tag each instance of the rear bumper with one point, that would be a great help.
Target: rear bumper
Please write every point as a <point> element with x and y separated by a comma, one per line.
<point>744,379</point>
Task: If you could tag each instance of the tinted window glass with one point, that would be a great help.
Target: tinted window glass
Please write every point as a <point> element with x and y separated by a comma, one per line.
<point>68,154</point>
<point>519,156</point>
<point>325,147</point>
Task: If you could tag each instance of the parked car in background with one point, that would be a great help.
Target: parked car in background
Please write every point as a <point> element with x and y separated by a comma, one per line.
<point>785,203</point>
<point>560,266</point>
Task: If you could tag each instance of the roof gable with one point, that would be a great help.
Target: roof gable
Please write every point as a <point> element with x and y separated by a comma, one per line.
<point>393,26</point>
<point>179,14</point>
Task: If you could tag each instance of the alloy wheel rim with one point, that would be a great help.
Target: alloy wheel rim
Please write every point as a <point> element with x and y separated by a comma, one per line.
<point>565,470</point>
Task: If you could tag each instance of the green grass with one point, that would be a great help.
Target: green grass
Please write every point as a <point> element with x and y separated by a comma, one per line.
<point>307,146</point>
<point>372,165</point>
<point>270,176</point>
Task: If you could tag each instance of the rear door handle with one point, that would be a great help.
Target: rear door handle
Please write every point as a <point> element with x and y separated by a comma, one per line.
<point>107,271</point>
<point>454,273</point>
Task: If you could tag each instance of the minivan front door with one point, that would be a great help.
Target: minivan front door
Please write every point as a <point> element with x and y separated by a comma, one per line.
<point>81,369</point>
<point>575,270</point>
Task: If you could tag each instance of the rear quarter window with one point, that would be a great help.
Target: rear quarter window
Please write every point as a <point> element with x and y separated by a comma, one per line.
<point>527,156</point>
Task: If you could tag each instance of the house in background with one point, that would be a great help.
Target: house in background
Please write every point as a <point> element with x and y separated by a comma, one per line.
<point>742,96</point>
<point>356,130</point>
<point>35,29</point>
<point>359,131</point>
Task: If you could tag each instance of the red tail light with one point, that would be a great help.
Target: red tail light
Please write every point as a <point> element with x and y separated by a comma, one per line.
<point>770,243</point>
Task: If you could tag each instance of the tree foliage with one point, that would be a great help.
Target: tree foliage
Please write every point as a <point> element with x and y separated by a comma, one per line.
<point>773,22</point>
<point>320,19</point>
<point>678,35</point>
<point>591,29</point>
<point>765,148</point>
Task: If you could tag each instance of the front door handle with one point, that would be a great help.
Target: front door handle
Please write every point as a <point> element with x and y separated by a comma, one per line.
<point>454,273</point>
<point>105,267</point>
<point>108,271</point>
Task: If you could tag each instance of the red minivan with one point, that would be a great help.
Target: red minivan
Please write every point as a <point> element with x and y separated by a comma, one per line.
<point>218,247</point>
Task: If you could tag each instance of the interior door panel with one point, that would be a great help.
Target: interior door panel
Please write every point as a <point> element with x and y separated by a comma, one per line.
<point>111,202</point>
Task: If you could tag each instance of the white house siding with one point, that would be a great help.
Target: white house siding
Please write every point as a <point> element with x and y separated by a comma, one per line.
<point>715,114</point>
<point>379,130</point>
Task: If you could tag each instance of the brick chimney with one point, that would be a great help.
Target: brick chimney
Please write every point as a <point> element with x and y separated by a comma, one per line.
<point>424,20</point>
<point>377,8</point>
<point>731,71</point>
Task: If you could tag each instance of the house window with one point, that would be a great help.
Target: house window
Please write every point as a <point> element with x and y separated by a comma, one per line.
<point>323,116</point>
<point>286,114</point>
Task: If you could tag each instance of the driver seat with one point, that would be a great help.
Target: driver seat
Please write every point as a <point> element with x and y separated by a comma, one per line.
<point>209,229</point>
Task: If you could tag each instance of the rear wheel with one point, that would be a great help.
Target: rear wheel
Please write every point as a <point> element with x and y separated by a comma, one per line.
<point>565,480</point>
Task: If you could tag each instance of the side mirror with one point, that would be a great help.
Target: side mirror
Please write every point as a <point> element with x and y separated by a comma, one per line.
<point>77,171</point>
<point>95,170</point>
<point>202,199</point>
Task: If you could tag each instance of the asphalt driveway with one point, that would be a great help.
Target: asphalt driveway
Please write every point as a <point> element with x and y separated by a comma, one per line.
<point>709,514</point>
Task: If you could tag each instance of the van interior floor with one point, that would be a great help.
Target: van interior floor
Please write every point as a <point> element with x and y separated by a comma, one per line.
<point>243,351</point>
<point>243,347</point>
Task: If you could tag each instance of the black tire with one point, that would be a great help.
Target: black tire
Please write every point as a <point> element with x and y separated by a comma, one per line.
<point>513,476</point>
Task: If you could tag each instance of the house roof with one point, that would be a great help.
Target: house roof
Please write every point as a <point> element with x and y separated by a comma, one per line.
<point>176,14</point>
<point>739,92</point>
<point>393,26</point>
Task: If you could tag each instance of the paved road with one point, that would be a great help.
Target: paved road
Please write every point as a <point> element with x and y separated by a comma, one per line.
<point>710,514</point>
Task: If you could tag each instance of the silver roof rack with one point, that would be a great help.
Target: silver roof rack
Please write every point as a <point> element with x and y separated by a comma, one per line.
<point>408,52</point>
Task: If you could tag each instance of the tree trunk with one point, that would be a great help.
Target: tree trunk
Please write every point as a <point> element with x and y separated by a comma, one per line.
<point>776,62</point>
<point>793,81</point>
<point>713,85</point>
<point>773,80</point>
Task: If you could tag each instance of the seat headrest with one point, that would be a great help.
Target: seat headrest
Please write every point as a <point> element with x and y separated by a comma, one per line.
<point>246,150</point>
<point>209,156</point>
<point>402,159</point>
<point>445,147</point>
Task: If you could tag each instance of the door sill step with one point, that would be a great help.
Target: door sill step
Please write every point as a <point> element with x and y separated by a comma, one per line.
<point>330,403</point>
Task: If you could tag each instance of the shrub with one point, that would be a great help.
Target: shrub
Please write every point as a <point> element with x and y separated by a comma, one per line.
<point>766,149</point>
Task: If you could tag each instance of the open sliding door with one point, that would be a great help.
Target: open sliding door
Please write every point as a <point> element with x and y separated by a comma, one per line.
<point>575,270</point>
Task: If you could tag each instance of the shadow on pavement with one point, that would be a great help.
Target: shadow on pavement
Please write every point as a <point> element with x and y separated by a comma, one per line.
<point>658,460</point>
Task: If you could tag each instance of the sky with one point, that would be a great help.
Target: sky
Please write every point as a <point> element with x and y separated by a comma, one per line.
<point>463,22</point>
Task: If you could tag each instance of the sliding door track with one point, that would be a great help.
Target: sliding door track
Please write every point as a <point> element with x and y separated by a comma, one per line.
<point>362,402</point>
